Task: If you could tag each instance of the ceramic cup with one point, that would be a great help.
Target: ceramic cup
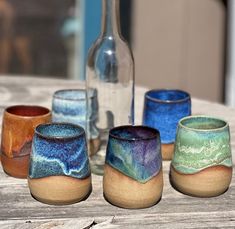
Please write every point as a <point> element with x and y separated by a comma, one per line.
<point>59,170</point>
<point>18,127</point>
<point>162,110</point>
<point>133,168</point>
<point>202,162</point>
<point>70,105</point>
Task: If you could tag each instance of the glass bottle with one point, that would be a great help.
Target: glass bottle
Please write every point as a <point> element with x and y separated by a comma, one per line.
<point>109,72</point>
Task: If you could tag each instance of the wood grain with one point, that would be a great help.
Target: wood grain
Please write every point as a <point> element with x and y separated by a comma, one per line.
<point>175,210</point>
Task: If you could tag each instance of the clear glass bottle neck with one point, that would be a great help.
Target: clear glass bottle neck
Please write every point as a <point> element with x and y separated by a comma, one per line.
<point>110,18</point>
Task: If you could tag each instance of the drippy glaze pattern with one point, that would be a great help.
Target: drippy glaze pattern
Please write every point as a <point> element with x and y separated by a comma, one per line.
<point>59,149</point>
<point>201,142</point>
<point>70,106</point>
<point>135,152</point>
<point>163,109</point>
<point>18,126</point>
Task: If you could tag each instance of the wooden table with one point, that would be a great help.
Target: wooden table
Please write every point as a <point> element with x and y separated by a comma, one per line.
<point>19,210</point>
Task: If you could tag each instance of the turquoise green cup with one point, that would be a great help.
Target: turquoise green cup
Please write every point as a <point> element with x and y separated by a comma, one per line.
<point>202,162</point>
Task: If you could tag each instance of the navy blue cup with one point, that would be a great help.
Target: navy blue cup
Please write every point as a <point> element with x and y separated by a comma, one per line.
<point>162,110</point>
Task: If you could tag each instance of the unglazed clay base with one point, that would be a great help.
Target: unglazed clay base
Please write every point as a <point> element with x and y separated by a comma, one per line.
<point>94,145</point>
<point>167,151</point>
<point>17,167</point>
<point>207,183</point>
<point>59,190</point>
<point>125,192</point>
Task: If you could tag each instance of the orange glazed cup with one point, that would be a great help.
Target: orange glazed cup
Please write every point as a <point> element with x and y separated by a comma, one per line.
<point>18,127</point>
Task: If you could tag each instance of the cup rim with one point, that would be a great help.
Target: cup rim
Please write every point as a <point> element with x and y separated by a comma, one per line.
<point>59,137</point>
<point>156,133</point>
<point>167,101</point>
<point>57,95</point>
<point>47,110</point>
<point>180,124</point>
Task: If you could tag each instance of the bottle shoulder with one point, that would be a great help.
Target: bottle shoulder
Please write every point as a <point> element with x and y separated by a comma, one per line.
<point>109,46</point>
<point>110,51</point>
<point>110,60</point>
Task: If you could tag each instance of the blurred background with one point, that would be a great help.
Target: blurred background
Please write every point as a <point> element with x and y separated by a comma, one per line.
<point>176,44</point>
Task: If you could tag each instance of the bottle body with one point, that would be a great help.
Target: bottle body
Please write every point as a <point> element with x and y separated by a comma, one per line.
<point>110,71</point>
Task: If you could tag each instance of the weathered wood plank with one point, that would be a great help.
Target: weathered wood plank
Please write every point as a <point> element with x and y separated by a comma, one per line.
<point>19,210</point>
<point>15,196</point>
<point>175,220</point>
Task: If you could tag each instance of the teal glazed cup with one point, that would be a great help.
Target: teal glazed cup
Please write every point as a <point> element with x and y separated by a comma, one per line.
<point>59,171</point>
<point>79,107</point>
<point>133,167</point>
<point>202,162</point>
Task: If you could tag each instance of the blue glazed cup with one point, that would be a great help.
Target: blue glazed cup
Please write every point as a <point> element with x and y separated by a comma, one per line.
<point>133,167</point>
<point>162,110</point>
<point>71,105</point>
<point>59,171</point>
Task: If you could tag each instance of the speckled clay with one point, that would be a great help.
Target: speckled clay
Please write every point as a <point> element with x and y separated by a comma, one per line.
<point>202,163</point>
<point>59,168</point>
<point>162,110</point>
<point>70,106</point>
<point>18,127</point>
<point>133,167</point>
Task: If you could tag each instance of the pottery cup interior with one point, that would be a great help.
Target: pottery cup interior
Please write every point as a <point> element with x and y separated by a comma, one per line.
<point>167,96</point>
<point>27,111</point>
<point>202,123</point>
<point>59,130</point>
<point>133,133</point>
<point>74,94</point>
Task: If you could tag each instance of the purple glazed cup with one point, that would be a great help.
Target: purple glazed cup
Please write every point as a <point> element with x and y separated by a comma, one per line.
<point>133,167</point>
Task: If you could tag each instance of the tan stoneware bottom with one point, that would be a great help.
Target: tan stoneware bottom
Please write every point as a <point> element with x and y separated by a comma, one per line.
<point>125,192</point>
<point>16,167</point>
<point>207,183</point>
<point>94,145</point>
<point>167,151</point>
<point>60,190</point>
